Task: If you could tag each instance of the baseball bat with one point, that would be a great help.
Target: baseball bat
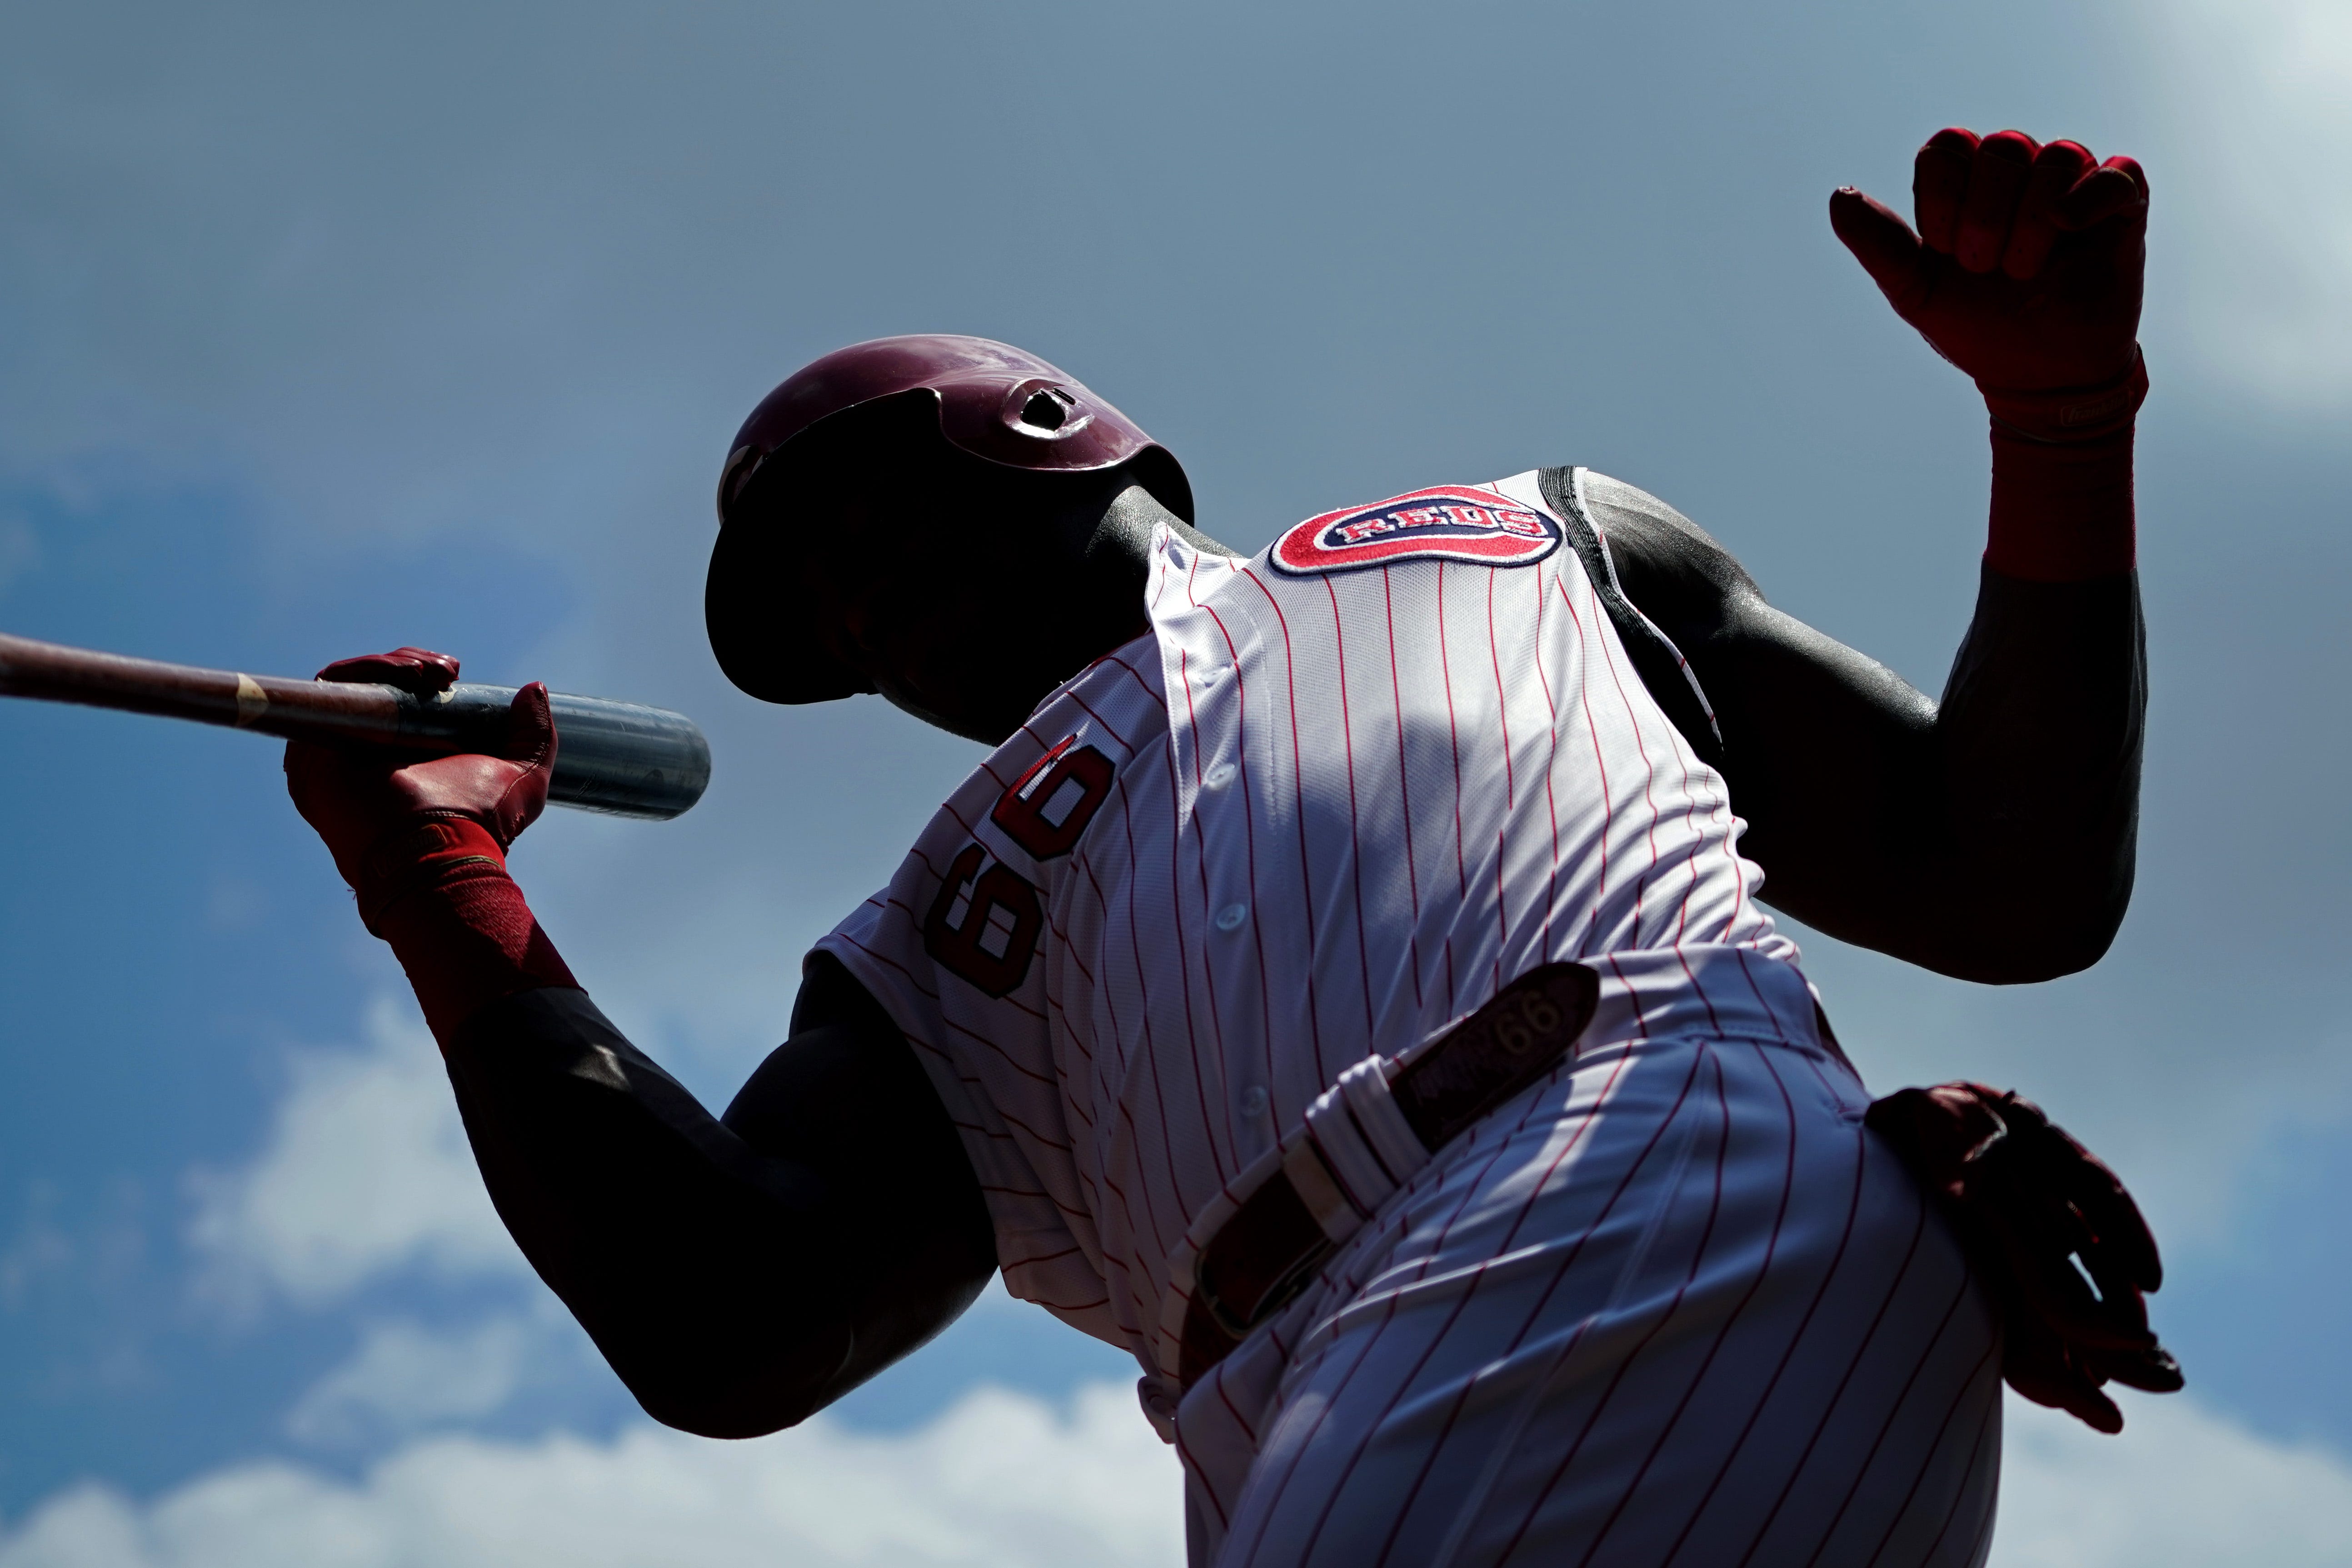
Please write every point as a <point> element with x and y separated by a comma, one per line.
<point>613,757</point>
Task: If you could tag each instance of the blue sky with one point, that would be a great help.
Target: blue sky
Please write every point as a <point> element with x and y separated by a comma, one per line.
<point>324,331</point>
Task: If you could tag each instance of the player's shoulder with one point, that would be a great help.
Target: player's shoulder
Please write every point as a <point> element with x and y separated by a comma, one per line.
<point>1621,509</point>
<point>1120,696</point>
<point>1676,571</point>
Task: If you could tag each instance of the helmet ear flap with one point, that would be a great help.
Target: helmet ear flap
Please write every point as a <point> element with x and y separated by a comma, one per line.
<point>1156,471</point>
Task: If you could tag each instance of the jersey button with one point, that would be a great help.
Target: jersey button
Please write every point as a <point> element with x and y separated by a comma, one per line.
<point>1230,918</point>
<point>1218,777</point>
<point>1253,1101</point>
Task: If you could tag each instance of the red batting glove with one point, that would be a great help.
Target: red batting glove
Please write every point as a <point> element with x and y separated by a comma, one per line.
<point>2026,272</point>
<point>2028,1201</point>
<point>422,845</point>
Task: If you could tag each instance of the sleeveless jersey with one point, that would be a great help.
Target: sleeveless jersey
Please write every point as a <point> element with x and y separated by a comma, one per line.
<point>1343,792</point>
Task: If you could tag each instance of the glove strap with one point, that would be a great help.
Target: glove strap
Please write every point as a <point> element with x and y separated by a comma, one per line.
<point>2074,415</point>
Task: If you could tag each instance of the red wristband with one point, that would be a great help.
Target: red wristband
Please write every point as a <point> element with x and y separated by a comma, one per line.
<point>2060,513</point>
<point>2061,480</point>
<point>441,896</point>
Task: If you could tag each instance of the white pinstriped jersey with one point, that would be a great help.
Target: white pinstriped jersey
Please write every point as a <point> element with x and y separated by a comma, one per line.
<point>1344,792</point>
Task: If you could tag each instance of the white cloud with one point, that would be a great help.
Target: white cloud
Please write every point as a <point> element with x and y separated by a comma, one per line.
<point>365,1171</point>
<point>1001,1479</point>
<point>2181,1486</point>
<point>2258,115</point>
<point>1006,1481</point>
<point>404,1376</point>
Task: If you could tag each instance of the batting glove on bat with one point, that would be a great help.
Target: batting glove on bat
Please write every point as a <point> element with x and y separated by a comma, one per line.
<point>2029,1201</point>
<point>394,826</point>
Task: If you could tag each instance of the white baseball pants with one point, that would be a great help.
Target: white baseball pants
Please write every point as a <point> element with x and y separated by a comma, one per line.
<point>1674,1306</point>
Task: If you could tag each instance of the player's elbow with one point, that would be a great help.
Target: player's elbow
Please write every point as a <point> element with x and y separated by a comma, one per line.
<point>723,1413</point>
<point>2038,941</point>
<point>2030,962</point>
<point>700,1378</point>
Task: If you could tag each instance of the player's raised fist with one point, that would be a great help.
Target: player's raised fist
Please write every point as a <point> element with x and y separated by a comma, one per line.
<point>2025,269</point>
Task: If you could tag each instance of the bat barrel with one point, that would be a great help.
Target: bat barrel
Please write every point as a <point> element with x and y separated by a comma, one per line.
<point>620,758</point>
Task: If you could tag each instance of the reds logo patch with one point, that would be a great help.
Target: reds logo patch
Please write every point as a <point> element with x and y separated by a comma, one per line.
<point>1450,523</point>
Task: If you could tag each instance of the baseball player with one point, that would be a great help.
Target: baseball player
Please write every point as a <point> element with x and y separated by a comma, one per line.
<point>1344,986</point>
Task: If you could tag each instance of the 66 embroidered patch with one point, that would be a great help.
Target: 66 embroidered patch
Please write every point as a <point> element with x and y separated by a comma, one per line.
<point>1450,523</point>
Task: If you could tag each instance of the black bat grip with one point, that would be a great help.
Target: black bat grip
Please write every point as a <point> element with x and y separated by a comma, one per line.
<point>620,758</point>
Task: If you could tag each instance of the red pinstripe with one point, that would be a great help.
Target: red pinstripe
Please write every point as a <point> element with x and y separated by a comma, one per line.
<point>1355,840</point>
<point>1184,971</point>
<point>1071,1034</point>
<point>1502,700</point>
<point>1892,1412</point>
<point>1142,686</point>
<point>1796,1338</point>
<point>1649,773</point>
<point>1878,1320</point>
<point>1048,1257</point>
<point>1405,786</point>
<point>1351,1284</point>
<point>1143,985</point>
<point>1625,1365</point>
<point>1713,1021</point>
<point>1299,791</point>
<point>1601,769</point>
<point>1927,1461</point>
<point>1454,737</point>
<point>1203,1486</point>
<point>1551,768</point>
<point>1099,718</point>
<point>1249,826</point>
<point>1510,1238</point>
<point>1200,861</point>
<point>1150,1209</point>
<point>1763,1269</point>
<point>1761,1000</point>
<point>1984,1515</point>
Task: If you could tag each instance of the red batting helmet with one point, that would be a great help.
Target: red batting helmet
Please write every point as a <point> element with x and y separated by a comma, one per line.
<point>994,402</point>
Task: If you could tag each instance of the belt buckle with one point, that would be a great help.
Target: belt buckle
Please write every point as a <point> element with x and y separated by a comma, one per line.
<point>1285,1289</point>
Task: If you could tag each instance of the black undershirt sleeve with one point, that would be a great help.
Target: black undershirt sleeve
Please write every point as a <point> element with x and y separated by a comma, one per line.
<point>739,1272</point>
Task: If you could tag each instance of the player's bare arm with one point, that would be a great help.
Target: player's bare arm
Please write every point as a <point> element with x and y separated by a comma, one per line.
<point>741,1271</point>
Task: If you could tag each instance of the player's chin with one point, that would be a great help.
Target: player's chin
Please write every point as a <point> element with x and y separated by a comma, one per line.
<point>987,714</point>
<point>978,683</point>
